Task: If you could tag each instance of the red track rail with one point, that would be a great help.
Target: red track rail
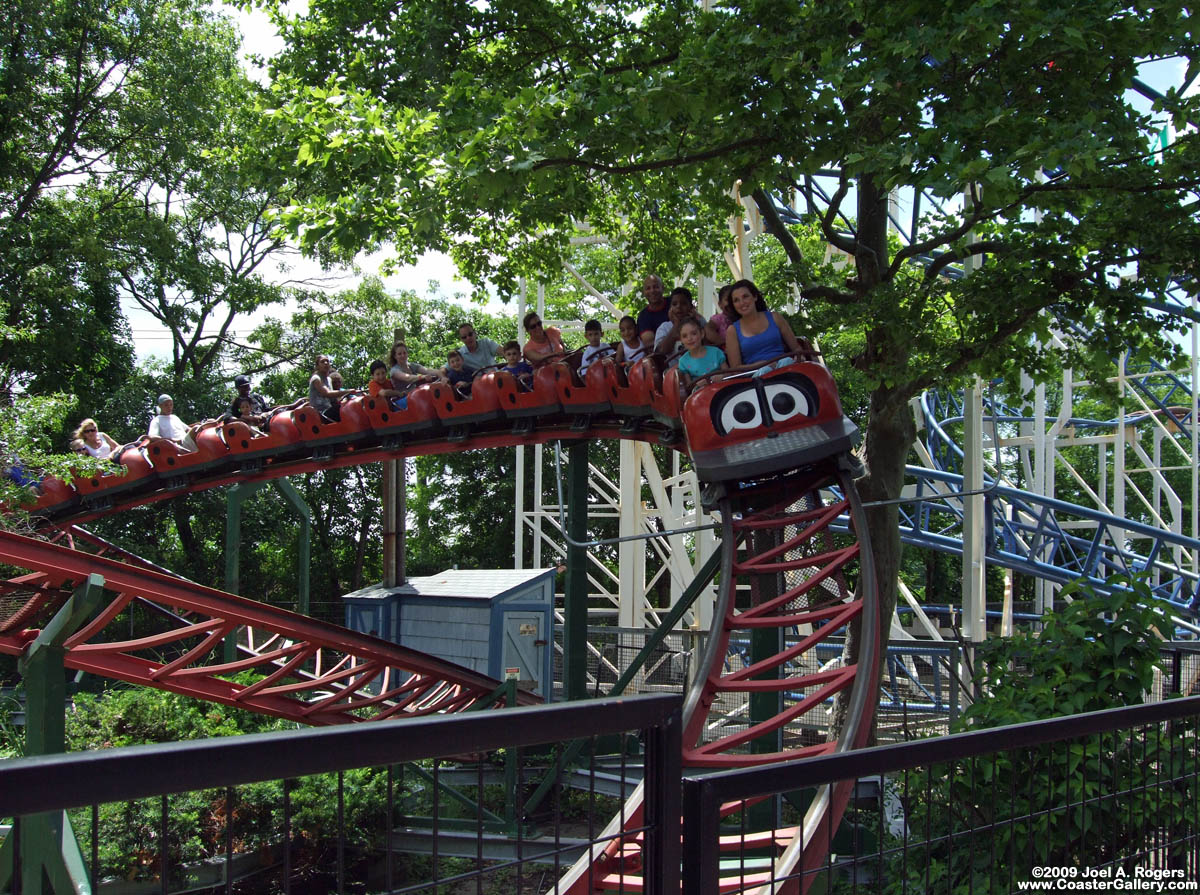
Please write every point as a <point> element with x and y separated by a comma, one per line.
<point>307,671</point>
<point>784,575</point>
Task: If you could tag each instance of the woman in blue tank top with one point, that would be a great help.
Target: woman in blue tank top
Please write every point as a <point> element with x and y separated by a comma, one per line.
<point>757,334</point>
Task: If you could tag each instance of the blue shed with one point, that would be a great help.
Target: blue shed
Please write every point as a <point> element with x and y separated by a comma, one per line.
<point>494,621</point>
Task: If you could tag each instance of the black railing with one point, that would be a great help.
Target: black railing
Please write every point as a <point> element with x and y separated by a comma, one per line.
<point>1102,796</point>
<point>1110,795</point>
<point>48,785</point>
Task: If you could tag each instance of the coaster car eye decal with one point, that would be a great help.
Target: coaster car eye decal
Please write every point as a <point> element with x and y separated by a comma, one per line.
<point>756,403</point>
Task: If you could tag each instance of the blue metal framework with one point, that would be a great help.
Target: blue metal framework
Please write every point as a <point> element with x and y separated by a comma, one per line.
<point>1028,533</point>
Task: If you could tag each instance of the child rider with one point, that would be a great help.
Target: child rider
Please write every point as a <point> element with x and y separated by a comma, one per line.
<point>698,359</point>
<point>517,367</point>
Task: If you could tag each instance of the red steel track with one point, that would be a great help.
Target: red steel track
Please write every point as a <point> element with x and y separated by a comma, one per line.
<point>790,581</point>
<point>308,671</point>
<point>784,577</point>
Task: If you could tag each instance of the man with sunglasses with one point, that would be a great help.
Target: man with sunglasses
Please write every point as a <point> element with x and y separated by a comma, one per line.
<point>476,353</point>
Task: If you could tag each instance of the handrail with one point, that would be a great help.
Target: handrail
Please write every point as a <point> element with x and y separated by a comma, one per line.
<point>75,779</point>
<point>745,783</point>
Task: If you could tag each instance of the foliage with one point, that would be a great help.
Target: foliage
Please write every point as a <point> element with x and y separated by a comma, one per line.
<point>12,742</point>
<point>1099,651</point>
<point>94,97</point>
<point>130,843</point>
<point>1064,804</point>
<point>517,133</point>
<point>28,451</point>
<point>117,181</point>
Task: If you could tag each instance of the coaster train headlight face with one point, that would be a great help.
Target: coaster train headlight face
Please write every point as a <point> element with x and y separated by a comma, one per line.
<point>760,403</point>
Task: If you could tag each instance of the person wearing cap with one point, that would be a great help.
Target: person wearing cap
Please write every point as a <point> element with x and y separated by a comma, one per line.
<point>167,425</point>
<point>259,405</point>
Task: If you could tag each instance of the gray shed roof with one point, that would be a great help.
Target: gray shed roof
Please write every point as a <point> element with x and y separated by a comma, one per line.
<point>478,584</point>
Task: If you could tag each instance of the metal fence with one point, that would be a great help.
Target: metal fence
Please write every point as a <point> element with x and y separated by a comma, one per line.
<point>1102,801</point>
<point>415,805</point>
<point>924,687</point>
<point>612,649</point>
<point>1181,670</point>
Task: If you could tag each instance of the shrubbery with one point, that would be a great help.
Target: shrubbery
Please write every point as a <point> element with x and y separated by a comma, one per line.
<point>129,833</point>
<point>1090,801</point>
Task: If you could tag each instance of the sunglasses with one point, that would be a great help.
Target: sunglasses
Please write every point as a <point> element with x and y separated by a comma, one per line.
<point>536,324</point>
<point>89,429</point>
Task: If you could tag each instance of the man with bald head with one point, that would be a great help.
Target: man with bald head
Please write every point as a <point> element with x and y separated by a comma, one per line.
<point>655,314</point>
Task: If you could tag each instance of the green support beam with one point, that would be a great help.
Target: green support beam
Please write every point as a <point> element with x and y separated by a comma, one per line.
<point>575,609</point>
<point>50,858</point>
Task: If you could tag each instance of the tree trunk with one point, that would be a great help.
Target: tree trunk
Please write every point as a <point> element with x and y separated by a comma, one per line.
<point>890,431</point>
<point>187,540</point>
<point>889,438</point>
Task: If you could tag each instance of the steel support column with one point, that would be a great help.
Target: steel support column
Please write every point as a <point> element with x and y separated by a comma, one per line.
<point>395,511</point>
<point>575,601</point>
<point>974,517</point>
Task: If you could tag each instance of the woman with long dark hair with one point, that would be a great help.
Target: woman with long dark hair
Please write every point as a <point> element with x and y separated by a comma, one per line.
<point>756,334</point>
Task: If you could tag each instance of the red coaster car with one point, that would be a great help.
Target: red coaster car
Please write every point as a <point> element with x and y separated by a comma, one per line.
<point>174,464</point>
<point>139,475</point>
<point>324,436</point>
<point>54,496</point>
<point>666,398</point>
<point>750,426</point>
<point>593,392</point>
<point>277,437</point>
<point>419,415</point>
<point>631,391</point>
<point>543,400</point>
<point>457,413</point>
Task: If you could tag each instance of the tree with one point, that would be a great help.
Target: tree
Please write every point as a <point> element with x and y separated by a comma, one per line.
<point>192,238</point>
<point>117,181</point>
<point>89,93</point>
<point>493,129</point>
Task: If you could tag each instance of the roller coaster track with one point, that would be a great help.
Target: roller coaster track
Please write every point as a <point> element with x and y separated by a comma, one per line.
<point>306,670</point>
<point>787,566</point>
<point>1055,540</point>
<point>784,568</point>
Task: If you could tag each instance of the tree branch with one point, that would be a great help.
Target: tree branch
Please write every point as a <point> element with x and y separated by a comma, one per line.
<point>776,227</point>
<point>976,248</point>
<point>716,152</point>
<point>835,239</point>
<point>920,248</point>
<point>975,350</point>
<point>830,295</point>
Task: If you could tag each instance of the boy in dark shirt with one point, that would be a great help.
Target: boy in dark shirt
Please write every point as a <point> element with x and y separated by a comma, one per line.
<point>458,375</point>
<point>520,370</point>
